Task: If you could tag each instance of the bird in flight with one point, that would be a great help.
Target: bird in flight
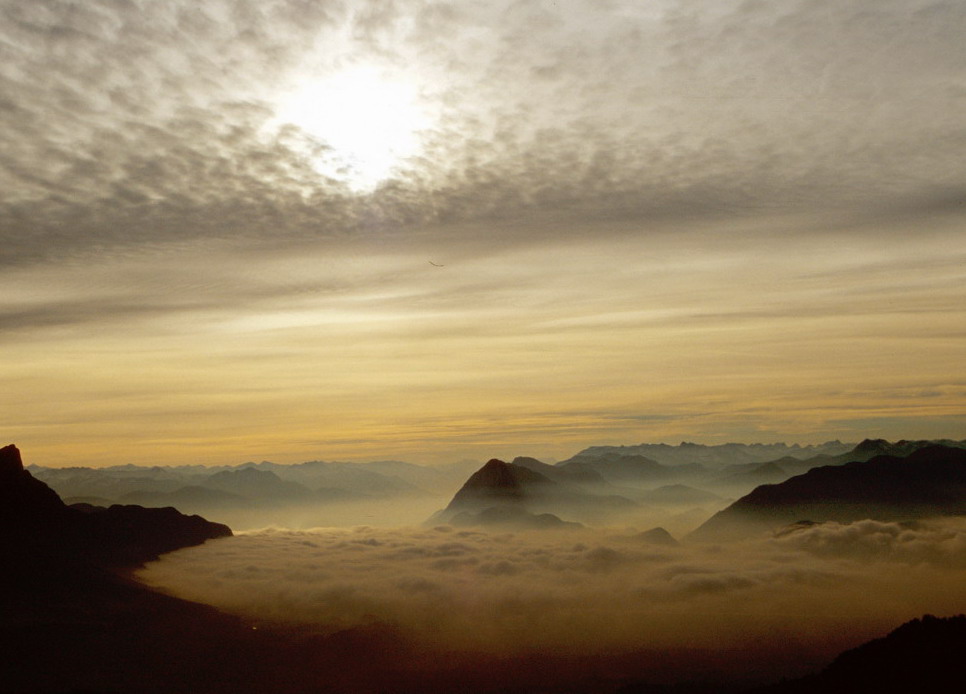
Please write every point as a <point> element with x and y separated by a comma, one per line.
<point>436,264</point>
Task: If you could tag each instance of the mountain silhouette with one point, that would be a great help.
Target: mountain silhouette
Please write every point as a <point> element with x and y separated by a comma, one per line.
<point>498,481</point>
<point>931,481</point>
<point>73,620</point>
<point>502,484</point>
<point>716,456</point>
<point>864,450</point>
<point>257,484</point>
<point>40,534</point>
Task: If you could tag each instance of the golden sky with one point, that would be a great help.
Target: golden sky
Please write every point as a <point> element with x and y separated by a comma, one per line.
<point>239,231</point>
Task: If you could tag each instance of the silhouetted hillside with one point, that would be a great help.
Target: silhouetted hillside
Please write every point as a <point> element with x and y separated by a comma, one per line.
<point>924,655</point>
<point>39,533</point>
<point>929,482</point>
<point>71,620</point>
<point>865,450</point>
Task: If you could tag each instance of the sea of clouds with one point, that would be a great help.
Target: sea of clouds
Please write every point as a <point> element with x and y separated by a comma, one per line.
<point>806,593</point>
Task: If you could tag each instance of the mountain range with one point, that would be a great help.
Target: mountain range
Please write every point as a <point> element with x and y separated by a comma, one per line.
<point>929,481</point>
<point>609,486</point>
<point>715,456</point>
<point>73,620</point>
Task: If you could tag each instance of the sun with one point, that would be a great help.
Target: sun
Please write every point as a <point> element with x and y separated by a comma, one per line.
<point>372,122</point>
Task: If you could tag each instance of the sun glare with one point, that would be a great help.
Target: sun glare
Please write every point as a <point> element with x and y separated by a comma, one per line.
<point>370,121</point>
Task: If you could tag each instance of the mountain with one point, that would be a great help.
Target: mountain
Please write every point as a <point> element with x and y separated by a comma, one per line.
<point>629,469</point>
<point>250,483</point>
<point>500,484</point>
<point>931,481</point>
<point>865,450</point>
<point>190,497</point>
<point>718,455</point>
<point>576,473</point>
<point>73,620</point>
<point>753,474</point>
<point>370,479</point>
<point>512,517</point>
<point>676,494</point>
<point>39,532</point>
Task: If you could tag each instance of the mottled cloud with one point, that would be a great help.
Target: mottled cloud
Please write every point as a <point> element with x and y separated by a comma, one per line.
<point>128,122</point>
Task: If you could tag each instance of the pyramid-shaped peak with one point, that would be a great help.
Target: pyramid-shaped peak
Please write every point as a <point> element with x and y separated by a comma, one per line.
<point>496,473</point>
<point>498,480</point>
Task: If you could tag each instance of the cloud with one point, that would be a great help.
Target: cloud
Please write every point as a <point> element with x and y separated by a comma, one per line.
<point>130,125</point>
<point>936,543</point>
<point>730,187</point>
<point>578,591</point>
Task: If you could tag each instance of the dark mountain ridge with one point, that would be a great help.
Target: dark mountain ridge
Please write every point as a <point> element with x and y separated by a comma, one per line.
<point>38,531</point>
<point>500,481</point>
<point>931,481</point>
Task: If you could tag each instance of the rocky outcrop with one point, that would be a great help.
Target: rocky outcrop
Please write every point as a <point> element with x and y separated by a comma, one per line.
<point>40,534</point>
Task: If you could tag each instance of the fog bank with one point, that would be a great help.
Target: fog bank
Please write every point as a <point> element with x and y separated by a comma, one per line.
<point>798,598</point>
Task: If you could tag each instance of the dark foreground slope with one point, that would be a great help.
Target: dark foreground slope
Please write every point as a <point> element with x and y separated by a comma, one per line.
<point>929,482</point>
<point>924,655</point>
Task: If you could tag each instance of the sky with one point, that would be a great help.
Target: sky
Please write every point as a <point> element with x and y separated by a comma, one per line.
<point>296,230</point>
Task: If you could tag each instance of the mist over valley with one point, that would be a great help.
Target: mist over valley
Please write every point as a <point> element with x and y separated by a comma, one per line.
<point>600,567</point>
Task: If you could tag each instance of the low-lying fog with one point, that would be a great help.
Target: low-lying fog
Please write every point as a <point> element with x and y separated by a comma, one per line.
<point>678,519</point>
<point>389,512</point>
<point>780,603</point>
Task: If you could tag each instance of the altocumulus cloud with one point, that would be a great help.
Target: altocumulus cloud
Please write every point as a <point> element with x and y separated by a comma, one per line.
<point>582,591</point>
<point>133,123</point>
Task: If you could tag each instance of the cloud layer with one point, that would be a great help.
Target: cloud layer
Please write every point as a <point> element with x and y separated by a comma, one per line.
<point>813,591</point>
<point>132,123</point>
